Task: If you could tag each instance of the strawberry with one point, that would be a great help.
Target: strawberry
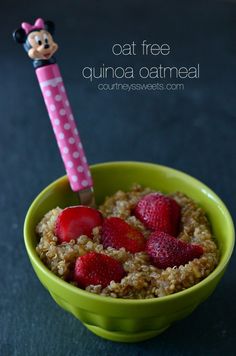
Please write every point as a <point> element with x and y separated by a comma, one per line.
<point>117,233</point>
<point>95,268</point>
<point>159,212</point>
<point>167,251</point>
<point>75,221</point>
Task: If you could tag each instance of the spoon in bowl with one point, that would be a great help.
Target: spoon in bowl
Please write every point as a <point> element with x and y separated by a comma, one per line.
<point>40,46</point>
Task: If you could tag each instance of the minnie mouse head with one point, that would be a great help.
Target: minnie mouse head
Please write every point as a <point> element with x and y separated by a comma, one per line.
<point>37,40</point>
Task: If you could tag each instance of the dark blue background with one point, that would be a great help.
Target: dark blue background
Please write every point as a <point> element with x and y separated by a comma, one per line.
<point>192,130</point>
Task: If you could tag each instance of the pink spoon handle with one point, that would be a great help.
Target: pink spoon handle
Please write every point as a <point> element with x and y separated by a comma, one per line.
<point>64,127</point>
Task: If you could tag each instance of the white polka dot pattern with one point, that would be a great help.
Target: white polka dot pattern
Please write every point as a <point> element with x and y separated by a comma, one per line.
<point>67,126</point>
<point>58,97</point>
<point>71,140</point>
<point>70,164</point>
<point>62,112</point>
<point>80,168</point>
<point>64,127</point>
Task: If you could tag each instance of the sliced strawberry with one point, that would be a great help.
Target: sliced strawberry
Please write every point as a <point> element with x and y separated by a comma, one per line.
<point>95,268</point>
<point>117,233</point>
<point>159,212</point>
<point>167,251</point>
<point>75,221</point>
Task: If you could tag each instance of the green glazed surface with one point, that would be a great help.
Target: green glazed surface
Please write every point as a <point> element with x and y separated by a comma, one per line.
<point>120,319</point>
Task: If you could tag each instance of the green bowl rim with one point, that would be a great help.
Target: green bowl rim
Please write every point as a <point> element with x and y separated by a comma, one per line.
<point>220,267</point>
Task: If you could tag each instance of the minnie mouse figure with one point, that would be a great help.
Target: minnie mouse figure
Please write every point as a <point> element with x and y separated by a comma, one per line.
<point>37,41</point>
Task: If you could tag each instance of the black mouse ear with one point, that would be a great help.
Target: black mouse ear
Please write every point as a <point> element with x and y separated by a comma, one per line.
<point>49,26</point>
<point>19,35</point>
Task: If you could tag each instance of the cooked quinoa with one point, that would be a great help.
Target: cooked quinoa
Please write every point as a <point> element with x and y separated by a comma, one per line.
<point>143,280</point>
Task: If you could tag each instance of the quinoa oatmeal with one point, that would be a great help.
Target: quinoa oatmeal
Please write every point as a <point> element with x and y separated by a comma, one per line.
<point>142,279</point>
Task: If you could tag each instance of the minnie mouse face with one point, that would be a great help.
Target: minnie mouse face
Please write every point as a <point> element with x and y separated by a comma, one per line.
<point>42,45</point>
<point>37,41</point>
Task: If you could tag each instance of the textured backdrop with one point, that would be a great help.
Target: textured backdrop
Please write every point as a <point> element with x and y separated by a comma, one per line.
<point>192,130</point>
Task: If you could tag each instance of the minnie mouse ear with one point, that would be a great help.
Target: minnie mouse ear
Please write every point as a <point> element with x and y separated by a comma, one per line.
<point>19,35</point>
<point>49,26</point>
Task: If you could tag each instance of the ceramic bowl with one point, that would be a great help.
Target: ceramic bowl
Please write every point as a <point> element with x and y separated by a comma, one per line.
<point>120,319</point>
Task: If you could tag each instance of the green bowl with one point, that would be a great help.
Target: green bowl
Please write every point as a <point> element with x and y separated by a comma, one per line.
<point>120,319</point>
